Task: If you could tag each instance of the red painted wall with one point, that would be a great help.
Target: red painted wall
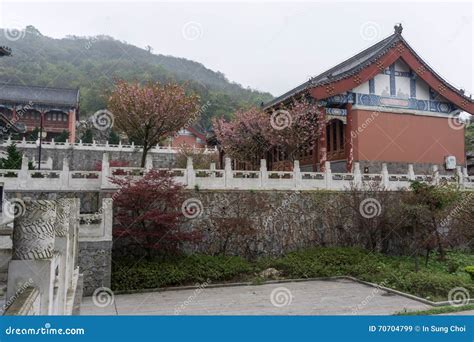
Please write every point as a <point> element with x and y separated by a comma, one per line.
<point>187,140</point>
<point>393,137</point>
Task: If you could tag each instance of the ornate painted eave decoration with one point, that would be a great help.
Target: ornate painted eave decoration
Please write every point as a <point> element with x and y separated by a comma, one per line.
<point>349,74</point>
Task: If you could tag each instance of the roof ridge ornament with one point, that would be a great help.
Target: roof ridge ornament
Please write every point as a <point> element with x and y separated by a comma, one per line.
<point>398,28</point>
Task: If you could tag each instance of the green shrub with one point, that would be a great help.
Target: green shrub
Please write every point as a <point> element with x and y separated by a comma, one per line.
<point>470,271</point>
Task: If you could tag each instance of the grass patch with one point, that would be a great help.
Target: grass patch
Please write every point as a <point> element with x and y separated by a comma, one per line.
<point>433,281</point>
<point>438,311</point>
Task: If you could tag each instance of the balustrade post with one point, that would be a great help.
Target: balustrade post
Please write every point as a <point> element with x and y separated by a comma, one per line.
<point>459,176</point>
<point>385,178</point>
<point>212,167</point>
<point>190,174</point>
<point>263,173</point>
<point>228,172</point>
<point>357,175</point>
<point>435,175</point>
<point>65,175</point>
<point>297,174</point>
<point>52,142</point>
<point>328,174</point>
<point>411,172</point>
<point>61,246</point>
<point>105,171</point>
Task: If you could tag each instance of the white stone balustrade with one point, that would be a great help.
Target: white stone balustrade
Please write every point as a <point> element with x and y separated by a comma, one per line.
<point>212,178</point>
<point>94,146</point>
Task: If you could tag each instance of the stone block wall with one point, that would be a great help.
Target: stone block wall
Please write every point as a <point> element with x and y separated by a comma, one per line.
<point>87,160</point>
<point>95,263</point>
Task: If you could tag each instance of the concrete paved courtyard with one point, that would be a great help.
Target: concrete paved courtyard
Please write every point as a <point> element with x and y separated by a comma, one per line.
<point>334,297</point>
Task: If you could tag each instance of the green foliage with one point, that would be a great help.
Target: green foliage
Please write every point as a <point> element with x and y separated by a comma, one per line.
<point>114,138</point>
<point>88,136</point>
<point>438,310</point>
<point>13,159</point>
<point>470,270</point>
<point>432,282</point>
<point>128,275</point>
<point>92,63</point>
<point>62,136</point>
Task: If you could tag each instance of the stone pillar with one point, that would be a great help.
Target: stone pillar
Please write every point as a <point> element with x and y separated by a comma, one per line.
<point>190,174</point>
<point>33,236</point>
<point>459,175</point>
<point>385,178</point>
<point>105,170</point>
<point>411,172</point>
<point>357,175</point>
<point>263,173</point>
<point>228,172</point>
<point>65,174</point>
<point>212,167</point>
<point>328,175</point>
<point>32,252</point>
<point>23,175</point>
<point>322,140</point>
<point>297,174</point>
<point>435,175</point>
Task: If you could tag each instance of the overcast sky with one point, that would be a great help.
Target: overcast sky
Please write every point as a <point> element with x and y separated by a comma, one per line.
<point>267,46</point>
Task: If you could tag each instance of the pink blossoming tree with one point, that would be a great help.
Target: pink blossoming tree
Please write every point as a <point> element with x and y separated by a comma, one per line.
<point>152,112</point>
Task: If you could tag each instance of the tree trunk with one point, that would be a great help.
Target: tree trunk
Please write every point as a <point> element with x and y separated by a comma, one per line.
<point>145,152</point>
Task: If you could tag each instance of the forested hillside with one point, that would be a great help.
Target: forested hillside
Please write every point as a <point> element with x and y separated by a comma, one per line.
<point>92,64</point>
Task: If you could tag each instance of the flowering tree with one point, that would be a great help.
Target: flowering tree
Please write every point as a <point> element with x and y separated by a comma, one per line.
<point>295,127</point>
<point>152,112</point>
<point>246,137</point>
<point>149,212</point>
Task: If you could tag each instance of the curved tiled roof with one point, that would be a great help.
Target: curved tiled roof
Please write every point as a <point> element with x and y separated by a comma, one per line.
<point>355,64</point>
<point>21,94</point>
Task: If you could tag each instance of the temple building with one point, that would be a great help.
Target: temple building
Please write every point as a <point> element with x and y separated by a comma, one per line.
<point>383,105</point>
<point>55,110</point>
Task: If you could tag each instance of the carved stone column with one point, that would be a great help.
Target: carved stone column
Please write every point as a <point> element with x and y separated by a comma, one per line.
<point>63,211</point>
<point>33,235</point>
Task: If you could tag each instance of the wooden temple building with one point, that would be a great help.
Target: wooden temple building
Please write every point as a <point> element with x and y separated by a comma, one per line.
<point>31,107</point>
<point>383,105</point>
